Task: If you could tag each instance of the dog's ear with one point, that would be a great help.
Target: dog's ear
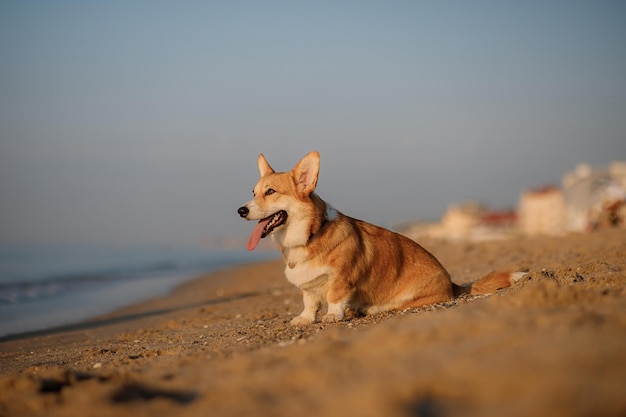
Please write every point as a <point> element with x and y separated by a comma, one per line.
<point>264,166</point>
<point>306,172</point>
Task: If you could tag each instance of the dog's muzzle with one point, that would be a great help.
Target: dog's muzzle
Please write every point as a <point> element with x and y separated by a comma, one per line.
<point>243,211</point>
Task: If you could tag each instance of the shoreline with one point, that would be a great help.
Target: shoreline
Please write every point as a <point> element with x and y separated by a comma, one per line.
<point>137,309</point>
<point>72,309</point>
<point>551,345</point>
<point>101,289</point>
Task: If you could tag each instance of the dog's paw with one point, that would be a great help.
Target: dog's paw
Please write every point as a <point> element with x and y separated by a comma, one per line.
<point>331,318</point>
<point>301,321</point>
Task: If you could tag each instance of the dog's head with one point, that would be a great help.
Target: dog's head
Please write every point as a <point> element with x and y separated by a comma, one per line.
<point>281,198</point>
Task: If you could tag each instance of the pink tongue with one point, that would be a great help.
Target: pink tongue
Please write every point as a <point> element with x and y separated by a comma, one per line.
<point>256,234</point>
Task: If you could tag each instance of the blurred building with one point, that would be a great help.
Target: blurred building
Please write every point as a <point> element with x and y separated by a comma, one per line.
<point>469,221</point>
<point>588,199</point>
<point>542,212</point>
<point>595,197</point>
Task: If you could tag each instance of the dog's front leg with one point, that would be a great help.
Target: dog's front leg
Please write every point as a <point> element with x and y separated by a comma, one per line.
<point>336,312</point>
<point>338,296</point>
<point>312,301</point>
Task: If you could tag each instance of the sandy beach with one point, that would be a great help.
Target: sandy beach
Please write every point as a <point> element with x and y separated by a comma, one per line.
<point>553,345</point>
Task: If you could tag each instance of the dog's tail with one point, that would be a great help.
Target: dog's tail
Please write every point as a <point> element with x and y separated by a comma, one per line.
<point>489,284</point>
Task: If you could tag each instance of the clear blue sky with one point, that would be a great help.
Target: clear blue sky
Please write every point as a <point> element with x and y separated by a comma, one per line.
<point>140,122</point>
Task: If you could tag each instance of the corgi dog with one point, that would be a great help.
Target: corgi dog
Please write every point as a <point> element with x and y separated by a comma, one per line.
<point>341,261</point>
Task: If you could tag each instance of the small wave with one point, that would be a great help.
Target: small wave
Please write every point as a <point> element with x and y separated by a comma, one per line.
<point>29,275</point>
<point>13,293</point>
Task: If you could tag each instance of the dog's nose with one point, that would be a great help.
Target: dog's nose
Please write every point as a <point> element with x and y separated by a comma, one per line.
<point>243,211</point>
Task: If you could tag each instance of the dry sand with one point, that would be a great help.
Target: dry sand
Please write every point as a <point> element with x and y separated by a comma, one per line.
<point>554,345</point>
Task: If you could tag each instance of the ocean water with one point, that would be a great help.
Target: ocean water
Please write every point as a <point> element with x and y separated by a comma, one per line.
<point>42,287</point>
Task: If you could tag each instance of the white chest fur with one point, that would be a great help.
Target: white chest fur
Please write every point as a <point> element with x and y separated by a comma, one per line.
<point>303,273</point>
<point>299,271</point>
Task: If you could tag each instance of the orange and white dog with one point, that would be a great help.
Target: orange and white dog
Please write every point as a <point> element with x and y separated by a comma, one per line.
<point>342,261</point>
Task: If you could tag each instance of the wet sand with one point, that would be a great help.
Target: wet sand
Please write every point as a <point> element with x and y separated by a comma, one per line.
<point>553,345</point>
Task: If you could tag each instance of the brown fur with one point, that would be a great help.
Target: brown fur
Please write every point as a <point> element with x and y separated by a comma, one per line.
<point>346,262</point>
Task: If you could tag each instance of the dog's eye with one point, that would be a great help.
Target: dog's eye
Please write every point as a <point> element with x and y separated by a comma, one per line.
<point>270,191</point>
